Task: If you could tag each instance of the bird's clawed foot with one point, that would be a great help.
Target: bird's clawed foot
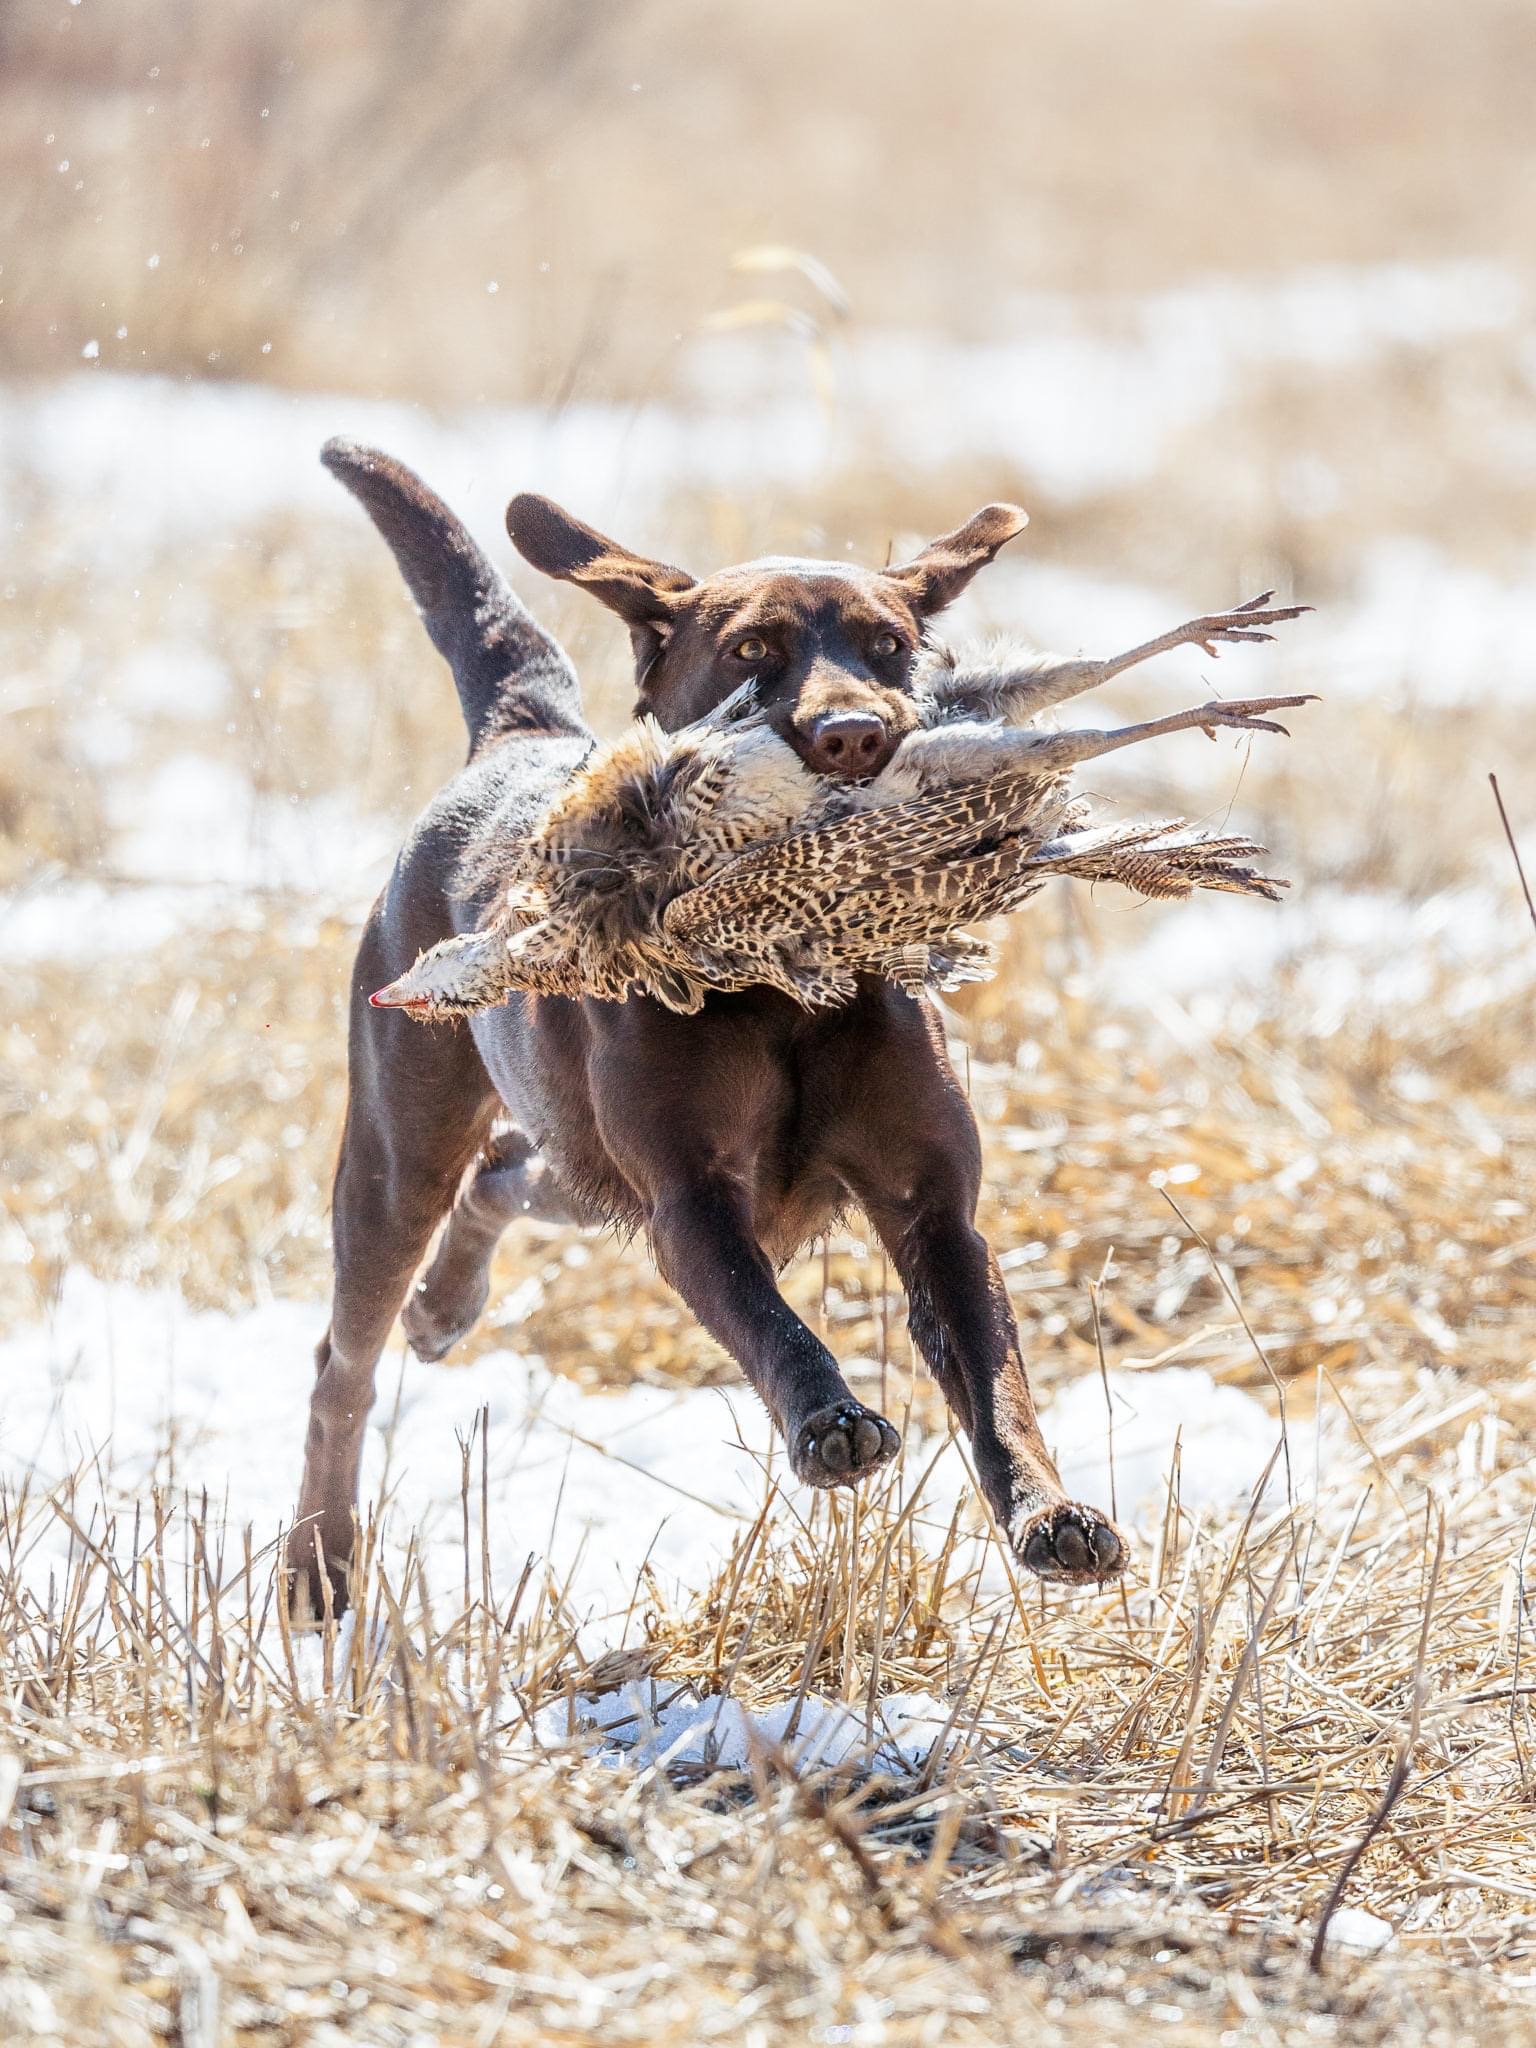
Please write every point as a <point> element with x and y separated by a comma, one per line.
<point>1245,714</point>
<point>1243,623</point>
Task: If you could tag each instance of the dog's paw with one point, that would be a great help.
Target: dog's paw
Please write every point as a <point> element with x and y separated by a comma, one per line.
<point>840,1445</point>
<point>1075,1546</point>
<point>434,1322</point>
<point>306,1590</point>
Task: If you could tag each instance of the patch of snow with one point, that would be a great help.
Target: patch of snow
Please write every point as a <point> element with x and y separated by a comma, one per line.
<point>652,1723</point>
<point>195,818</point>
<point>1349,950</point>
<point>193,845</point>
<point>89,920</point>
<point>1083,395</point>
<point>1353,1928</point>
<point>170,678</point>
<point>135,1383</point>
<point>169,462</point>
<point>1419,628</point>
<point>597,1484</point>
<point>1086,394</point>
<point>1424,628</point>
<point>1224,1437</point>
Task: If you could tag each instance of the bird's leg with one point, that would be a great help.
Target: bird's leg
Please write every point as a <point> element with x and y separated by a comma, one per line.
<point>1227,628</point>
<point>1052,679</point>
<point>1059,750</point>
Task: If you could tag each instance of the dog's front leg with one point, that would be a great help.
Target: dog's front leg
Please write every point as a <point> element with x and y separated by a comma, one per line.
<point>686,1108</point>
<point>912,1157</point>
<point>963,1324</point>
<point>701,1231</point>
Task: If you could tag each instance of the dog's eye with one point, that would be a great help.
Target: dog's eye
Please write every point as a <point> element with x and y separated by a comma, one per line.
<point>886,644</point>
<point>751,650</point>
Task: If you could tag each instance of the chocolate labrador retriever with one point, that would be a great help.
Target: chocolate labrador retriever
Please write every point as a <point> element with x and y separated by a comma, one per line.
<point>730,1137</point>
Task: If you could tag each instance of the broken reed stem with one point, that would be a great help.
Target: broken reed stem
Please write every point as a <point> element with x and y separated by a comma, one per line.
<point>1259,1352</point>
<point>1095,1294</point>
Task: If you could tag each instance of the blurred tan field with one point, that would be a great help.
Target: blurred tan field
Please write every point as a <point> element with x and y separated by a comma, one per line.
<point>343,182</point>
<point>1230,296</point>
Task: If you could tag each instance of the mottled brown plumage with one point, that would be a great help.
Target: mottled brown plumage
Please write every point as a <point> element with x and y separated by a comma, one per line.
<point>714,858</point>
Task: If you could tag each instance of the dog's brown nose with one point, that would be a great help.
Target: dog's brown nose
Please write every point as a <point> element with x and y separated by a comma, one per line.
<point>849,743</point>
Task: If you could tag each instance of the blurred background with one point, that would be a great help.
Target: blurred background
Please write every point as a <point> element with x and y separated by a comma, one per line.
<point>1230,296</point>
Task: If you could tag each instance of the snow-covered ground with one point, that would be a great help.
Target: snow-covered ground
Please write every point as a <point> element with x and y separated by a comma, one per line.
<point>660,1724</point>
<point>1082,395</point>
<point>131,1387</point>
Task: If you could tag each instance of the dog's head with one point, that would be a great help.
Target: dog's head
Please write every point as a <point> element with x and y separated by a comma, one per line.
<point>829,646</point>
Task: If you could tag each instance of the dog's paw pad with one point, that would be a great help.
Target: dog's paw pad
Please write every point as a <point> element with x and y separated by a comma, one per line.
<point>1073,1545</point>
<point>840,1445</point>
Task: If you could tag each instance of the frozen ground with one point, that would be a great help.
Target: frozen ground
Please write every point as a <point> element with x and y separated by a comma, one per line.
<point>660,1724</point>
<point>1082,395</point>
<point>107,470</point>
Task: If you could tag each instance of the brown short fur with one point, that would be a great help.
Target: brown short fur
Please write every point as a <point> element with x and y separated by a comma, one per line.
<point>729,1137</point>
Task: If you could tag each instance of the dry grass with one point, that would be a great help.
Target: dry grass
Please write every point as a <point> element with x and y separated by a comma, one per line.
<point>1152,1796</point>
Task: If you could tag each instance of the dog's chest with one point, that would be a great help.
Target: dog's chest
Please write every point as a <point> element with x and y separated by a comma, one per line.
<point>633,1097</point>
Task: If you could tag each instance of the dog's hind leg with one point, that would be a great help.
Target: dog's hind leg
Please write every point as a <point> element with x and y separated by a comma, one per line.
<point>419,1107</point>
<point>511,1184</point>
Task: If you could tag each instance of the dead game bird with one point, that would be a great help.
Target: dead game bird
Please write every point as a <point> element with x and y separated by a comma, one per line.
<point>713,857</point>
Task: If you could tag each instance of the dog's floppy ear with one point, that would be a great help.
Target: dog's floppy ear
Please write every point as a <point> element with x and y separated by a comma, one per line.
<point>548,537</point>
<point>937,576</point>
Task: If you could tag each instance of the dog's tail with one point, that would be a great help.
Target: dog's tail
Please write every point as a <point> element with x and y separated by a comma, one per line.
<point>510,675</point>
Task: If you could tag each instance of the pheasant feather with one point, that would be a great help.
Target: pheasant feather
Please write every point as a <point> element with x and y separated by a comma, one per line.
<point>713,858</point>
